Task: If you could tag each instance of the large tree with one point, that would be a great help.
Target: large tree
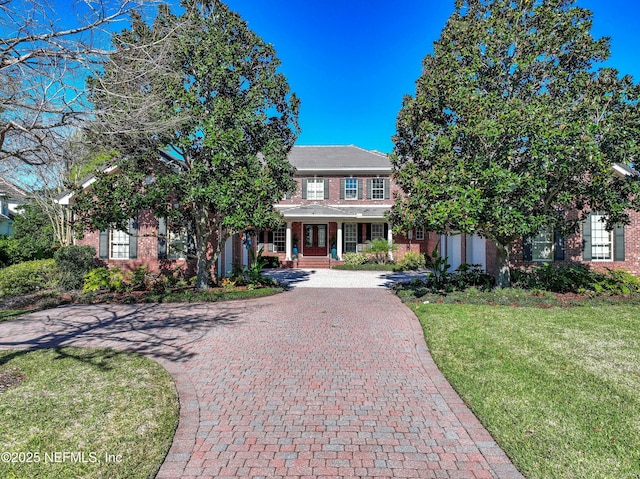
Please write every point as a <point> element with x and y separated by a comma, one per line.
<point>205,89</point>
<point>513,127</point>
<point>45,54</point>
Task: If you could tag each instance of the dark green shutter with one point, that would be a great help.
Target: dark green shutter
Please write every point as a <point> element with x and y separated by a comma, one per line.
<point>103,246</point>
<point>586,239</point>
<point>360,188</point>
<point>368,232</point>
<point>304,188</point>
<point>133,238</point>
<point>619,243</point>
<point>558,253</point>
<point>386,188</point>
<point>527,248</point>
<point>287,195</point>
<point>326,188</point>
<point>360,233</point>
<point>369,188</point>
<point>343,186</point>
<point>386,231</point>
<point>162,238</point>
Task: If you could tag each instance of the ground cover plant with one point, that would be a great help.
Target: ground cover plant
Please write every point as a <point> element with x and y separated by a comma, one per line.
<point>557,387</point>
<point>95,402</point>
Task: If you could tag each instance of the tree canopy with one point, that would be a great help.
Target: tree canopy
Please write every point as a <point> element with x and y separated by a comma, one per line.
<point>205,89</point>
<point>513,126</point>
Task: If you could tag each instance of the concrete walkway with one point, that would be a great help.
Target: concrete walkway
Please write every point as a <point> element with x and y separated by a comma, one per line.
<point>315,382</point>
<point>335,278</point>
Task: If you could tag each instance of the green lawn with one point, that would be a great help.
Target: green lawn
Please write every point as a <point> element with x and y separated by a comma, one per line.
<point>6,314</point>
<point>77,413</point>
<point>558,388</point>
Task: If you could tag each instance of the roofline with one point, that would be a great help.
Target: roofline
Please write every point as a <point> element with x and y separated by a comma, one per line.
<point>65,198</point>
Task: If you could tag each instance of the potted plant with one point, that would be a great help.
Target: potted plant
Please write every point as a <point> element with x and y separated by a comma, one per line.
<point>334,250</point>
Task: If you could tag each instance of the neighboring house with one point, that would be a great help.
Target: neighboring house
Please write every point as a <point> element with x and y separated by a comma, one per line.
<point>592,245</point>
<point>11,197</point>
<point>340,203</point>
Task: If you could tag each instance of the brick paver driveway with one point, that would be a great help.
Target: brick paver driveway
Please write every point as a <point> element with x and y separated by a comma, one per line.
<point>309,383</point>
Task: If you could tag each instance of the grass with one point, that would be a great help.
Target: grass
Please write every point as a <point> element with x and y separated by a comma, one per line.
<point>556,387</point>
<point>95,402</point>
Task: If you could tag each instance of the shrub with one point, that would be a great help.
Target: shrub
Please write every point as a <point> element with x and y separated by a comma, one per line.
<point>104,279</point>
<point>355,259</point>
<point>378,248</point>
<point>28,277</point>
<point>617,281</point>
<point>557,278</point>
<point>140,278</point>
<point>411,260</point>
<point>471,276</point>
<point>75,262</point>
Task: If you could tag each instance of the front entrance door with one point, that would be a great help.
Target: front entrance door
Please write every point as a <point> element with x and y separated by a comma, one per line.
<point>315,240</point>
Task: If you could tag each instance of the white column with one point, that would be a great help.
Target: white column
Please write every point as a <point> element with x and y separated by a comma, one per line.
<point>390,241</point>
<point>339,241</point>
<point>288,247</point>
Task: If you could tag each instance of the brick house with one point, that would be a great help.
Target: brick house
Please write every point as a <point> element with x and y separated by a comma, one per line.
<point>340,203</point>
<point>342,195</point>
<point>592,245</point>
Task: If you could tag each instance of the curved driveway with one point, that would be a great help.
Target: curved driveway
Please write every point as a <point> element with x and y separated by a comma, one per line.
<point>314,382</point>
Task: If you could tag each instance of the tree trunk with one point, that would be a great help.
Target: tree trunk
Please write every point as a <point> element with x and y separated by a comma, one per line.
<point>203,263</point>
<point>503,274</point>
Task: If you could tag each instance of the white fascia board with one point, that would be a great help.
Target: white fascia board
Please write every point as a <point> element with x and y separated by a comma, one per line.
<point>66,199</point>
<point>345,171</point>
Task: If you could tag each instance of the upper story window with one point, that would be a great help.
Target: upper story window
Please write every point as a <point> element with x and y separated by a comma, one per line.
<point>315,189</point>
<point>378,188</point>
<point>351,189</point>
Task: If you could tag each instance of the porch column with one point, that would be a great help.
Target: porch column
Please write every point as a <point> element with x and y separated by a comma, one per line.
<point>339,241</point>
<point>288,246</point>
<point>390,241</point>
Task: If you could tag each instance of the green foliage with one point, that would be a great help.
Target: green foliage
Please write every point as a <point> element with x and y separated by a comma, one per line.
<point>438,277</point>
<point>8,248</point>
<point>471,276</point>
<point>411,260</point>
<point>74,262</point>
<point>513,127</point>
<point>616,281</point>
<point>140,278</point>
<point>378,249</point>
<point>206,89</point>
<point>33,233</point>
<point>104,279</point>
<point>355,259</point>
<point>28,277</point>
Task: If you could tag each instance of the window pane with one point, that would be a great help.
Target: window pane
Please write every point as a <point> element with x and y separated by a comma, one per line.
<point>279,240</point>
<point>119,245</point>
<point>542,246</point>
<point>377,230</point>
<point>601,239</point>
<point>420,233</point>
<point>177,244</point>
<point>377,189</point>
<point>350,237</point>
<point>351,189</point>
<point>315,189</point>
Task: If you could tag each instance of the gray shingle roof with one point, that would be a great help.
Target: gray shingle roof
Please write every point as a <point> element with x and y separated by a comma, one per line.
<point>10,190</point>
<point>319,211</point>
<point>338,159</point>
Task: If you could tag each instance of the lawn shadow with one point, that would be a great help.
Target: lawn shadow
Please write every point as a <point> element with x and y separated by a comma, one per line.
<point>161,331</point>
<point>392,278</point>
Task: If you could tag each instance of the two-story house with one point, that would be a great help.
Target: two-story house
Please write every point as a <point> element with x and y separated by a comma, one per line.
<point>11,197</point>
<point>340,203</point>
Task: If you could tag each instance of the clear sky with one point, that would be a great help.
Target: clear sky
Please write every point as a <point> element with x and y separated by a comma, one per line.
<point>352,61</point>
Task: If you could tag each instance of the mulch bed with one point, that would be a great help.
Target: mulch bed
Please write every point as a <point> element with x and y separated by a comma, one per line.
<point>9,378</point>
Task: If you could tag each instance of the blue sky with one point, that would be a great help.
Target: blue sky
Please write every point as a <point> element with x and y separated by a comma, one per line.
<point>352,61</point>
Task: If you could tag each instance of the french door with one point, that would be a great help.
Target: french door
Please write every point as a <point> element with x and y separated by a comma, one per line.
<point>315,240</point>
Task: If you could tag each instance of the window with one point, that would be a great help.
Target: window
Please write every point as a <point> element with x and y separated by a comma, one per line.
<point>119,245</point>
<point>377,189</point>
<point>350,237</point>
<point>177,244</point>
<point>351,189</point>
<point>315,189</point>
<point>601,239</point>
<point>279,240</point>
<point>377,230</point>
<point>542,246</point>
<point>420,233</point>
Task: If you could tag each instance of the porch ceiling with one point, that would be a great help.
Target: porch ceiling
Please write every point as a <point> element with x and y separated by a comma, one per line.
<point>345,213</point>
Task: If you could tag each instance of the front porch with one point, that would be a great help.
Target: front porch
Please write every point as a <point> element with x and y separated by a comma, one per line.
<point>318,236</point>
